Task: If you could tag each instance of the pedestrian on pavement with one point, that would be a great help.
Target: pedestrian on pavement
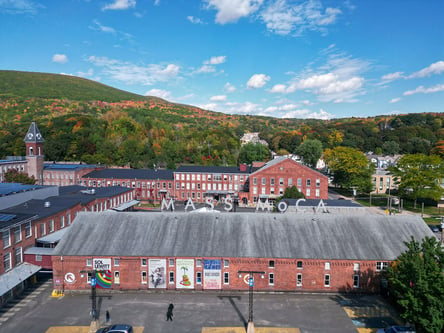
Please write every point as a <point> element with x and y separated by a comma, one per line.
<point>170,312</point>
<point>107,316</point>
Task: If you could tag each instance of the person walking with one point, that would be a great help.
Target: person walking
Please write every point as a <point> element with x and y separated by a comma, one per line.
<point>107,316</point>
<point>170,312</point>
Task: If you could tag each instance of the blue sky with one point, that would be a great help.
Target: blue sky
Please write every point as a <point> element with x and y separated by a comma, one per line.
<point>281,58</point>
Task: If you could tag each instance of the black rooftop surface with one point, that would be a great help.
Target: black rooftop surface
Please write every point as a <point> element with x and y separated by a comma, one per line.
<point>248,235</point>
<point>69,196</point>
<point>12,188</point>
<point>18,218</point>
<point>131,174</point>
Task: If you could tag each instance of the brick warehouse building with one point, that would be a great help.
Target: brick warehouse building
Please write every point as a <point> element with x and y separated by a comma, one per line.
<point>208,251</point>
<point>199,182</point>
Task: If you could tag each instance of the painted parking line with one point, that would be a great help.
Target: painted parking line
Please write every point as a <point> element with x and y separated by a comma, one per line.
<point>80,329</point>
<point>256,329</point>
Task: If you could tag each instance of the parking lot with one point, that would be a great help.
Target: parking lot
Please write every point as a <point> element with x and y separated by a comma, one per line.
<point>200,312</point>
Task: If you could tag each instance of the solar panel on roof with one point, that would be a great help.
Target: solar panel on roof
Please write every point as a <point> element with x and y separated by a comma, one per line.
<point>6,217</point>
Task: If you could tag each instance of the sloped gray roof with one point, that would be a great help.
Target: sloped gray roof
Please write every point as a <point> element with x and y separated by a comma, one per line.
<point>254,235</point>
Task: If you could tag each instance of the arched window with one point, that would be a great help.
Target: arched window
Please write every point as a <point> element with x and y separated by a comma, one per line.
<point>31,151</point>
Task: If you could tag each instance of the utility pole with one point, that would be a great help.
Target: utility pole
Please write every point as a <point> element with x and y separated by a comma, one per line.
<point>93,293</point>
<point>250,328</point>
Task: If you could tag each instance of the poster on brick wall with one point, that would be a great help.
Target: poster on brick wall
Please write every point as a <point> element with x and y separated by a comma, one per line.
<point>157,268</point>
<point>184,273</point>
<point>212,274</point>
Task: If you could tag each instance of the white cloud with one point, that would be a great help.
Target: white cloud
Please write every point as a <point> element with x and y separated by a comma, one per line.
<point>134,74</point>
<point>308,114</point>
<point>232,10</point>
<point>422,90</point>
<point>205,69</point>
<point>284,18</point>
<point>19,7</point>
<point>120,5</point>
<point>218,98</point>
<point>209,106</point>
<point>229,87</point>
<point>257,81</point>
<point>435,68</point>
<point>159,93</point>
<point>279,89</point>
<point>99,27</point>
<point>194,20</point>
<point>60,58</point>
<point>392,76</point>
<point>395,100</point>
<point>242,108</point>
<point>215,60</point>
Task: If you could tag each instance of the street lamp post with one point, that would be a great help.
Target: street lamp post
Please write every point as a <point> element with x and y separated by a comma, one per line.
<point>93,293</point>
<point>250,328</point>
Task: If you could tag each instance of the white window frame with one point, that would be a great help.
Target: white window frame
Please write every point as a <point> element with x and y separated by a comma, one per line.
<point>355,280</point>
<point>19,234</point>
<point>327,280</point>
<point>381,265</point>
<point>89,262</point>
<point>299,279</point>
<point>226,278</point>
<point>226,263</point>
<point>144,277</point>
<point>28,230</point>
<point>171,277</point>
<point>8,244</point>
<point>7,259</point>
<point>198,277</point>
<point>327,266</point>
<point>271,279</point>
<point>116,261</point>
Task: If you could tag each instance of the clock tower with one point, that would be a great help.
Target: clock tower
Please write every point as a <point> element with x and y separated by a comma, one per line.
<point>34,153</point>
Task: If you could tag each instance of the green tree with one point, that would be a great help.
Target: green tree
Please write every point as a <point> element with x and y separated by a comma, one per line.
<point>13,176</point>
<point>292,193</point>
<point>390,147</point>
<point>417,176</point>
<point>311,151</point>
<point>416,281</point>
<point>253,152</point>
<point>350,167</point>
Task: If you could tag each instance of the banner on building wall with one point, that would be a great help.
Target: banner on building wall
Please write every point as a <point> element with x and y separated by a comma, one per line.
<point>184,273</point>
<point>103,279</point>
<point>212,274</point>
<point>157,269</point>
<point>102,264</point>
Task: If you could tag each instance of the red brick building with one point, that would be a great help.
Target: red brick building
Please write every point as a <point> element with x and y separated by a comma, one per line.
<point>247,183</point>
<point>209,251</point>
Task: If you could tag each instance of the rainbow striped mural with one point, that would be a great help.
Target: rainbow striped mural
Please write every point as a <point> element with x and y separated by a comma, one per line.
<point>103,279</point>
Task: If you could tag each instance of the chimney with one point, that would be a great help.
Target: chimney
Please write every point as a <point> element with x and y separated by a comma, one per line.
<point>243,167</point>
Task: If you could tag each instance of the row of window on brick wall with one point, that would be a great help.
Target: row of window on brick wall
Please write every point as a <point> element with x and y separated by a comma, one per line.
<point>7,259</point>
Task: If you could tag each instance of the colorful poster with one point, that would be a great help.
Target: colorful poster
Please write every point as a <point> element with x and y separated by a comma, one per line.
<point>157,269</point>
<point>212,278</point>
<point>103,279</point>
<point>185,273</point>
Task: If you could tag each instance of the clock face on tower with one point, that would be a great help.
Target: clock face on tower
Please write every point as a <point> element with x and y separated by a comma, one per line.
<point>38,136</point>
<point>30,136</point>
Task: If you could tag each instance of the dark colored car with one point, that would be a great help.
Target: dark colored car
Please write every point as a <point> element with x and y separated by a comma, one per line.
<point>434,228</point>
<point>117,328</point>
<point>396,329</point>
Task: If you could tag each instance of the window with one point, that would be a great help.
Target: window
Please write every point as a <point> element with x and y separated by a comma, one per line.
<point>6,239</point>
<point>116,261</point>
<point>51,226</point>
<point>299,264</point>
<point>254,181</point>
<point>18,256</point>
<point>264,181</point>
<point>144,277</point>
<point>308,182</point>
<point>290,181</point>
<point>299,182</point>
<point>327,266</point>
<point>308,192</point>
<point>62,222</point>
<point>88,262</point>
<point>271,279</point>
<point>18,234</point>
<point>42,229</point>
<point>7,262</point>
<point>355,281</point>
<point>38,257</point>
<point>299,279</point>
<point>381,265</point>
<point>226,263</point>
<point>327,280</point>
<point>199,277</point>
<point>171,280</point>
<point>272,181</point>
<point>170,262</point>
<point>318,182</point>
<point>143,262</point>
<point>198,262</point>
<point>28,230</point>
<point>226,278</point>
<point>317,193</point>
<point>281,181</point>
<point>116,277</point>
<point>271,264</point>
<point>356,266</point>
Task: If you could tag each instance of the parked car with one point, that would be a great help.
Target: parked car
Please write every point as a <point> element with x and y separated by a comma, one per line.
<point>117,328</point>
<point>396,329</point>
<point>434,228</point>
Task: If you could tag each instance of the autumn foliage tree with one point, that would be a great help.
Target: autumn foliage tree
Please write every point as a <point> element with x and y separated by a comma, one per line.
<point>14,176</point>
<point>350,167</point>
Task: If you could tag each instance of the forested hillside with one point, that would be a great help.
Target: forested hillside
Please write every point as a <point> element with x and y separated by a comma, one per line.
<point>84,120</point>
